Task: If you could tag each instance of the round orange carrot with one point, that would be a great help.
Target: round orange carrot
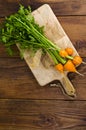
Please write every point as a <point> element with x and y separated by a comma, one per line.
<point>69,66</point>
<point>69,51</point>
<point>63,53</point>
<point>77,60</point>
<point>59,67</point>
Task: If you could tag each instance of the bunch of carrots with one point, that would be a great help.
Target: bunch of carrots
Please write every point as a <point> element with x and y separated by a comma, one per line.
<point>21,28</point>
<point>70,64</point>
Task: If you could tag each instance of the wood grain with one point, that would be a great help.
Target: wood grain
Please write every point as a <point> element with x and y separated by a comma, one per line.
<point>42,114</point>
<point>17,81</point>
<point>60,7</point>
<point>24,105</point>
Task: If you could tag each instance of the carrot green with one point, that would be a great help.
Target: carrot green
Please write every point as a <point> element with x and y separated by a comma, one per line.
<point>21,28</point>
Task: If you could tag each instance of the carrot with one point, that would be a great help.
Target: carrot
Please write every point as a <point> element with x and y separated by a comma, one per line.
<point>69,51</point>
<point>69,66</point>
<point>59,67</point>
<point>77,60</point>
<point>63,53</point>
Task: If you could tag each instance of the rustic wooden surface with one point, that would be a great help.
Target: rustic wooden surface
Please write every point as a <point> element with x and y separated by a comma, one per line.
<point>24,105</point>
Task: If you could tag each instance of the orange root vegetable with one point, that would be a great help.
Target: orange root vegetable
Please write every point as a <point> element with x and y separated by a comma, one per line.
<point>77,60</point>
<point>69,51</point>
<point>69,66</point>
<point>59,67</point>
<point>63,53</point>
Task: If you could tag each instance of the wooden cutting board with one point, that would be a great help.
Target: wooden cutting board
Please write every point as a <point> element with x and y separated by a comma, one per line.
<point>44,16</point>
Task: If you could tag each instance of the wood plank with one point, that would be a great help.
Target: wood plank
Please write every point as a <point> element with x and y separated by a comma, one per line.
<point>60,7</point>
<point>42,114</point>
<point>17,81</point>
<point>75,27</point>
<point>63,7</point>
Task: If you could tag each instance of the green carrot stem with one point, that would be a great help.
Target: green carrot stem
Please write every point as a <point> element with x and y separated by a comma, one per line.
<point>53,57</point>
<point>45,41</point>
<point>48,43</point>
<point>69,57</point>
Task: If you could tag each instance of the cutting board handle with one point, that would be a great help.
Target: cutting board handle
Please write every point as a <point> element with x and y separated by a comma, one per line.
<point>67,85</point>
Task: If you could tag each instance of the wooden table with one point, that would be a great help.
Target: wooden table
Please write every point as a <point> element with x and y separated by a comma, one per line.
<point>24,105</point>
